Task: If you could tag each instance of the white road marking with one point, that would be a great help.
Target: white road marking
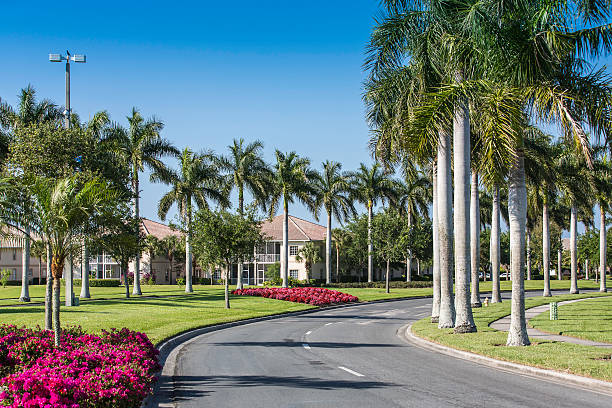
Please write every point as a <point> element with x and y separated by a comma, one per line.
<point>327,324</point>
<point>348,370</point>
<point>308,332</point>
<point>420,307</point>
<point>366,322</point>
<point>306,346</point>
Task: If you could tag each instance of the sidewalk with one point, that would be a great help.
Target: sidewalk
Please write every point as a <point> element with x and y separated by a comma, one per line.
<point>503,324</point>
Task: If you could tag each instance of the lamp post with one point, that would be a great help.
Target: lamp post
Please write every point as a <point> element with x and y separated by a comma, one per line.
<point>74,58</point>
<point>70,301</point>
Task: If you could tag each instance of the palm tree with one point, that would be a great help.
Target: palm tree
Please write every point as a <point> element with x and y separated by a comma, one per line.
<point>310,254</point>
<point>292,180</point>
<point>198,179</point>
<point>138,146</point>
<point>153,246</point>
<point>341,238</point>
<point>62,209</point>
<point>333,193</point>
<point>248,170</point>
<point>28,112</point>
<point>171,247</point>
<point>370,185</point>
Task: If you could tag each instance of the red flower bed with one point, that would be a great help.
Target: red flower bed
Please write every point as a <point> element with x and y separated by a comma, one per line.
<point>311,296</point>
<point>114,369</point>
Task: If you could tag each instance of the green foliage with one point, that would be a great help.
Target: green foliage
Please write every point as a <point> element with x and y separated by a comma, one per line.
<point>4,276</point>
<point>389,232</point>
<point>273,275</point>
<point>96,283</point>
<point>310,254</point>
<point>122,240</point>
<point>180,281</point>
<point>381,285</point>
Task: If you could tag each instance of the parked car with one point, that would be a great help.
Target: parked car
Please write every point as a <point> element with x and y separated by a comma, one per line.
<point>480,275</point>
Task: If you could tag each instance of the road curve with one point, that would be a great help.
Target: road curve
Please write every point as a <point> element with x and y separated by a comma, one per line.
<point>347,357</point>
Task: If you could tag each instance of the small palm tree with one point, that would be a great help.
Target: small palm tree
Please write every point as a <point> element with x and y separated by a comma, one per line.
<point>153,246</point>
<point>310,254</point>
<point>333,193</point>
<point>248,170</point>
<point>38,249</point>
<point>138,146</point>
<point>198,179</point>
<point>341,237</point>
<point>171,246</point>
<point>370,185</point>
<point>292,180</point>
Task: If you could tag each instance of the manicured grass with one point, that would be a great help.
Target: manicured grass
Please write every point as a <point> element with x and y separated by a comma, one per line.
<point>582,360</point>
<point>589,319</point>
<point>368,294</point>
<point>160,317</point>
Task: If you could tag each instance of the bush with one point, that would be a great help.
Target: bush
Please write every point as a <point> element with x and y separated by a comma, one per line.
<point>308,295</point>
<point>115,369</point>
<point>392,284</point>
<point>96,283</point>
<point>180,281</point>
<point>202,281</point>
<point>4,275</point>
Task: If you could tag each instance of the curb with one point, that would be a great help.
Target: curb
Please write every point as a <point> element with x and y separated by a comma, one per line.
<point>589,384</point>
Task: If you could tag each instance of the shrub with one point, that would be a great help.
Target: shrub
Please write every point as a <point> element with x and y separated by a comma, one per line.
<point>392,284</point>
<point>4,275</point>
<point>180,281</point>
<point>96,283</point>
<point>115,369</point>
<point>308,295</point>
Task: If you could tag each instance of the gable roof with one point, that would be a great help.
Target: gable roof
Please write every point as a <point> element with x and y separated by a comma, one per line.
<point>157,229</point>
<point>298,229</point>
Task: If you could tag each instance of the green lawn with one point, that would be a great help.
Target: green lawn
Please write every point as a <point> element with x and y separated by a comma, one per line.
<point>582,360</point>
<point>589,319</point>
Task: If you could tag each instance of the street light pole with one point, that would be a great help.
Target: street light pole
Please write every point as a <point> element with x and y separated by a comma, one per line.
<point>74,58</point>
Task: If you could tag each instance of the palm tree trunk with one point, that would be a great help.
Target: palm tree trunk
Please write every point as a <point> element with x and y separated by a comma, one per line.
<point>445,231</point>
<point>387,277</point>
<point>586,269</point>
<point>559,265</point>
<point>85,273</point>
<point>475,241</point>
<point>285,251</point>
<point>546,249</point>
<point>602,248</point>
<point>124,270</point>
<point>69,301</point>
<point>495,248</point>
<point>370,249</point>
<point>573,249</point>
<point>409,258</point>
<point>49,291</point>
<point>25,268</point>
<point>418,267</point>
<point>464,321</point>
<point>337,262</point>
<point>57,268</point>
<point>517,214</point>
<point>435,307</point>
<point>136,192</point>
<point>528,243</point>
<point>226,289</point>
<point>188,258</point>
<point>328,249</point>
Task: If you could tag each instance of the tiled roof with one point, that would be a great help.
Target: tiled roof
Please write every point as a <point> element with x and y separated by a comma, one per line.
<point>157,229</point>
<point>299,229</point>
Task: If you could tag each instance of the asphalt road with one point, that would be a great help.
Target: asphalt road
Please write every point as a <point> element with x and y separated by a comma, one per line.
<point>347,357</point>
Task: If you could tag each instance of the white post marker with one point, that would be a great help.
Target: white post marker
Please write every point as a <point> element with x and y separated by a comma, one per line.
<point>348,370</point>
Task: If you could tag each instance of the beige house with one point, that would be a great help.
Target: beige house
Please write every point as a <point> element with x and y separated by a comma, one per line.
<point>269,253</point>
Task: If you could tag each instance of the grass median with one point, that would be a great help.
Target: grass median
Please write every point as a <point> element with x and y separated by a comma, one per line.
<point>589,319</point>
<point>581,360</point>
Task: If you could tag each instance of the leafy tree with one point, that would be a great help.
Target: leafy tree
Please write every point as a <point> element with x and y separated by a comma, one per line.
<point>173,248</point>
<point>137,146</point>
<point>292,181</point>
<point>388,228</point>
<point>198,179</point>
<point>222,238</point>
<point>341,238</point>
<point>310,254</point>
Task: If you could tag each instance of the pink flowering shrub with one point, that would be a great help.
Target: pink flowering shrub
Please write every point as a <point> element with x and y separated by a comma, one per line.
<point>311,296</point>
<point>115,369</point>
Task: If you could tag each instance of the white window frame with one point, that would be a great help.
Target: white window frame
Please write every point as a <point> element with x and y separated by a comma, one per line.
<point>294,273</point>
<point>293,250</point>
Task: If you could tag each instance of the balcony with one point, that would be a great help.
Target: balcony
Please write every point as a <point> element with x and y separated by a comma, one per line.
<point>267,258</point>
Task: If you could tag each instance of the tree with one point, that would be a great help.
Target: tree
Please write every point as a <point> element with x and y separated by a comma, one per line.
<point>333,193</point>
<point>172,248</point>
<point>38,249</point>
<point>388,228</point>
<point>199,180</point>
<point>292,180</point>
<point>138,146</point>
<point>247,169</point>
<point>341,238</point>
<point>153,246</point>
<point>369,186</point>
<point>222,238</point>
<point>310,254</point>
<point>61,211</point>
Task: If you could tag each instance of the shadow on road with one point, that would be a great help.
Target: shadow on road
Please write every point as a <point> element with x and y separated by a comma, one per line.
<point>291,343</point>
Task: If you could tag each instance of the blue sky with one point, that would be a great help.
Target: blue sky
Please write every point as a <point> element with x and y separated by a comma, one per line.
<point>287,73</point>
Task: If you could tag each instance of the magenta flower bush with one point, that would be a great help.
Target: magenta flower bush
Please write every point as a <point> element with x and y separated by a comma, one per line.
<point>311,296</point>
<point>115,369</point>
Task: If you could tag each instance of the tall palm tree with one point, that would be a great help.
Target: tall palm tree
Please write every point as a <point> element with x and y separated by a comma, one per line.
<point>139,145</point>
<point>29,111</point>
<point>341,237</point>
<point>292,181</point>
<point>247,169</point>
<point>197,180</point>
<point>369,186</point>
<point>171,247</point>
<point>333,193</point>
<point>310,254</point>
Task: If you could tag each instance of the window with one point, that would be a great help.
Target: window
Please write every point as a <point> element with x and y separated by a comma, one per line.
<point>293,250</point>
<point>293,273</point>
<point>14,254</point>
<point>217,274</point>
